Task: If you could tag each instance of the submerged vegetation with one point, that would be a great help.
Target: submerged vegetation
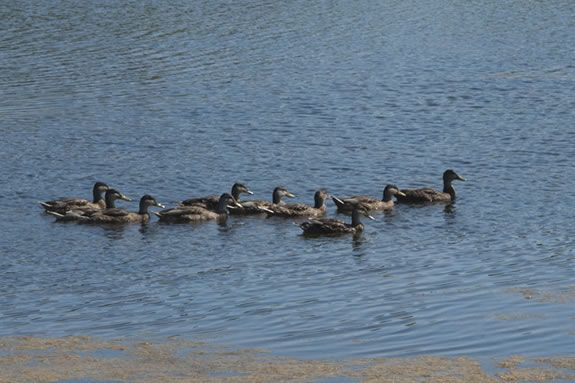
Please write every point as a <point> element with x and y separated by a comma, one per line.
<point>29,359</point>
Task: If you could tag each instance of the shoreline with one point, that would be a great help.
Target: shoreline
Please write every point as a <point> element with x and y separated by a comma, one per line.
<point>89,359</point>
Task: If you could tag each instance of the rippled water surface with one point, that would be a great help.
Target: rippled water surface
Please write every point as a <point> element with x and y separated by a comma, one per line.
<point>181,100</point>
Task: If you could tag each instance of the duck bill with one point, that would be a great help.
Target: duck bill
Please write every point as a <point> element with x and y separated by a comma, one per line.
<point>460,178</point>
<point>370,217</point>
<point>401,194</point>
<point>125,198</point>
<point>249,192</point>
<point>290,195</point>
<point>160,205</point>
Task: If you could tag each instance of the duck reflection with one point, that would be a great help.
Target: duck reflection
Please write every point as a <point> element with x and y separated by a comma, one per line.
<point>449,213</point>
<point>115,232</point>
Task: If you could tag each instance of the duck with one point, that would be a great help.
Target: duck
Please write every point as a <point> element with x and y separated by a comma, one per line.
<point>332,226</point>
<point>424,195</point>
<point>211,202</point>
<point>191,214</point>
<point>122,216</point>
<point>345,205</point>
<point>299,209</point>
<point>82,213</point>
<point>64,204</point>
<point>261,206</point>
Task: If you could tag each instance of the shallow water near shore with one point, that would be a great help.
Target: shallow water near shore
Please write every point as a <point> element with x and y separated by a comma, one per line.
<point>182,101</point>
<point>77,359</point>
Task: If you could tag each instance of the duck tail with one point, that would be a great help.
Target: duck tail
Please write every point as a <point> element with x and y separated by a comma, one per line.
<point>265,210</point>
<point>337,201</point>
<point>54,213</point>
<point>44,205</point>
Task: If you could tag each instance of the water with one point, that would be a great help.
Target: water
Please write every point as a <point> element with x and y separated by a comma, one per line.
<point>182,100</point>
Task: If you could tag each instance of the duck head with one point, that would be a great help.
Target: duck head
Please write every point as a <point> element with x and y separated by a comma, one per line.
<point>239,188</point>
<point>148,201</point>
<point>113,195</point>
<point>390,191</point>
<point>279,193</point>
<point>319,198</point>
<point>450,175</point>
<point>98,190</point>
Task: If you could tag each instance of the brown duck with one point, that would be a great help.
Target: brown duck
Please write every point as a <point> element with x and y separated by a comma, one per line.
<point>331,226</point>
<point>122,216</point>
<point>345,205</point>
<point>64,204</point>
<point>211,202</point>
<point>83,213</point>
<point>431,195</point>
<point>191,214</point>
<point>260,206</point>
<point>293,210</point>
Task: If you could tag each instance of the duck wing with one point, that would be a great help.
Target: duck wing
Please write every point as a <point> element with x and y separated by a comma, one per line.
<point>186,214</point>
<point>417,195</point>
<point>252,207</point>
<point>75,214</point>
<point>347,204</point>
<point>423,195</point>
<point>324,226</point>
<point>115,212</point>
<point>180,210</point>
<point>115,215</point>
<point>64,204</point>
<point>209,202</point>
<point>294,210</point>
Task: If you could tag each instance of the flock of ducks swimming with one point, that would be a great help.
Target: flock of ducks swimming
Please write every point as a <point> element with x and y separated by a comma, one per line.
<point>102,208</point>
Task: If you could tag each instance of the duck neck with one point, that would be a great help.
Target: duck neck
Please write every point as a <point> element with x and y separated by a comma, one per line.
<point>96,195</point>
<point>387,195</point>
<point>110,201</point>
<point>276,197</point>
<point>236,193</point>
<point>143,208</point>
<point>222,207</point>
<point>318,201</point>
<point>448,188</point>
<point>355,220</point>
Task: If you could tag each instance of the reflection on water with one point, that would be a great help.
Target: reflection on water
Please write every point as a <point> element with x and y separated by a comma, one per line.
<point>357,242</point>
<point>147,230</point>
<point>114,232</point>
<point>184,100</point>
<point>449,212</point>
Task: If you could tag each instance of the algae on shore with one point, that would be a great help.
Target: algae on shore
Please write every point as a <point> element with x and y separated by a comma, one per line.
<point>30,359</point>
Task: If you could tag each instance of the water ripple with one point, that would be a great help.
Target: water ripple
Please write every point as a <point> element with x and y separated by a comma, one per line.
<point>180,101</point>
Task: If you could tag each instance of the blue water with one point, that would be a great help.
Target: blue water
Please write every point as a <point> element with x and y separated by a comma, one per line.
<point>182,100</point>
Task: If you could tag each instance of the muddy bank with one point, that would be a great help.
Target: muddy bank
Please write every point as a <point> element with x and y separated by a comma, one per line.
<point>29,359</point>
